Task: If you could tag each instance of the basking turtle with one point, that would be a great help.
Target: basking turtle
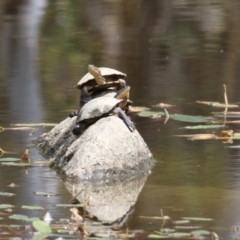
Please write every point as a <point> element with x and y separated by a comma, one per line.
<point>101,76</point>
<point>98,108</point>
<point>97,80</point>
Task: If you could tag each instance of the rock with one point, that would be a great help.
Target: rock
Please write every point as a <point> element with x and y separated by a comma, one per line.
<point>106,150</point>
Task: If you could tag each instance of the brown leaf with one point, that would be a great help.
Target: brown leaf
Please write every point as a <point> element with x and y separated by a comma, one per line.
<point>75,215</point>
<point>25,158</point>
<point>199,136</point>
<point>1,129</point>
<point>1,152</point>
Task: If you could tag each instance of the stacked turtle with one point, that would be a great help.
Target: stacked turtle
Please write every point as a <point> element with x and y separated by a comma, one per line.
<point>103,93</point>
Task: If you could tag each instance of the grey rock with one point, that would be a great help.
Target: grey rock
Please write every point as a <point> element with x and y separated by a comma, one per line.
<point>106,150</point>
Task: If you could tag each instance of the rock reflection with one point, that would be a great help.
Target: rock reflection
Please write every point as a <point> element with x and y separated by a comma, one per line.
<point>108,202</point>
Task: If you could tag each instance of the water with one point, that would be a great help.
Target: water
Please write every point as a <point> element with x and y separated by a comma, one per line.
<point>174,52</point>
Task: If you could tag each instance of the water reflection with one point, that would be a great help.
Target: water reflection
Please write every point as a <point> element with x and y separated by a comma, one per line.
<point>109,203</point>
<point>20,55</point>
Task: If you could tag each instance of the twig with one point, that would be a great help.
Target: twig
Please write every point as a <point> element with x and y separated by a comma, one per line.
<point>166,115</point>
<point>225,94</point>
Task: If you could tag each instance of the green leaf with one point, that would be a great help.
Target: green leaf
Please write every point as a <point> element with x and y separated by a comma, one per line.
<point>178,117</point>
<point>35,124</point>
<point>171,235</point>
<point>189,118</point>
<point>16,164</point>
<point>33,207</point>
<point>201,232</point>
<point>3,206</point>
<point>180,234</point>
<point>7,194</point>
<point>203,127</point>
<point>41,236</point>
<point>158,236</point>
<point>41,226</point>
<point>150,113</point>
<point>197,219</point>
<point>16,226</point>
<point>181,222</point>
<point>69,205</point>
<point>9,159</point>
<point>217,104</point>
<point>19,217</point>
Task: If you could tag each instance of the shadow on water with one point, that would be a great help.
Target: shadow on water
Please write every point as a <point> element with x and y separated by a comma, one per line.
<point>175,52</point>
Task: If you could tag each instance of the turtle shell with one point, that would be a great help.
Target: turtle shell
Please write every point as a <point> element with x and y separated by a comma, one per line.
<point>104,72</point>
<point>97,107</point>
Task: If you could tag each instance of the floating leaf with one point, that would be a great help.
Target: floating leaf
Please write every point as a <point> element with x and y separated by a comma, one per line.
<point>16,164</point>
<point>41,236</point>
<point>236,146</point>
<point>33,207</point>
<point>197,219</point>
<point>227,116</point>
<point>24,158</point>
<point>187,227</point>
<point>203,127</point>
<point>9,159</point>
<point>171,235</point>
<point>137,109</point>
<point>69,205</point>
<point>16,226</point>
<point>181,222</point>
<point>163,105</point>
<point>217,104</point>
<point>167,230</point>
<point>35,124</point>
<point>3,206</point>
<point>199,136</point>
<point>158,236</point>
<point>7,194</point>
<point>41,226</point>
<point>19,217</point>
<point>1,152</point>
<point>201,232</point>
<point>44,194</point>
<point>155,217</point>
<point>189,118</point>
<point>1,129</point>
<point>150,114</point>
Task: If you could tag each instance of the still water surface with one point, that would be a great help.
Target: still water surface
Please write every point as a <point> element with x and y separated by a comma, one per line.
<point>176,52</point>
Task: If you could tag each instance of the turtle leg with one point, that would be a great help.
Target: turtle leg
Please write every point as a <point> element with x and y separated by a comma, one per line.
<point>85,97</point>
<point>125,119</point>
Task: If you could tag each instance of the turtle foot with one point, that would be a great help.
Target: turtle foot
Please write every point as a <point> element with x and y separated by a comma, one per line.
<point>72,114</point>
<point>77,130</point>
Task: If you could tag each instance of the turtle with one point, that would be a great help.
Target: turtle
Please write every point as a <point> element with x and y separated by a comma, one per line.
<point>98,108</point>
<point>96,80</point>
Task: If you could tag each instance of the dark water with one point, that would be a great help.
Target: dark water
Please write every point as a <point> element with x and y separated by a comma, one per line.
<point>174,52</point>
